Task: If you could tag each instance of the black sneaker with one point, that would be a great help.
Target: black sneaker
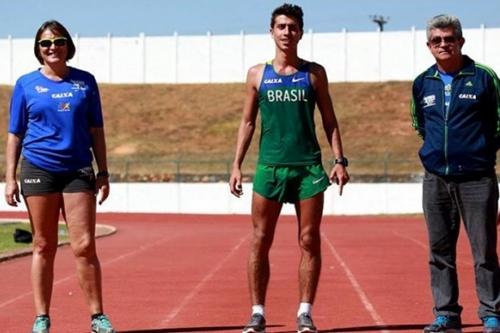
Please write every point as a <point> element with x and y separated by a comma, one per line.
<point>445,324</point>
<point>305,324</point>
<point>257,324</point>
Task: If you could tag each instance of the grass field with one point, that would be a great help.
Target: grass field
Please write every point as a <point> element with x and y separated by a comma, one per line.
<point>157,132</point>
<point>7,243</point>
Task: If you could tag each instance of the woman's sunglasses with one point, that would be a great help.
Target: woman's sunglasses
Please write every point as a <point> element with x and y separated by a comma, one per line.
<point>58,41</point>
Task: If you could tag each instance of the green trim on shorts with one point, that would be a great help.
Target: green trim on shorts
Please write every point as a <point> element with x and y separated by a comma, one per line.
<point>290,183</point>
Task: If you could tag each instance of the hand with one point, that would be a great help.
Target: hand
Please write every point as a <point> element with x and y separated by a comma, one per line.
<point>340,176</point>
<point>102,186</point>
<point>12,193</point>
<point>235,183</point>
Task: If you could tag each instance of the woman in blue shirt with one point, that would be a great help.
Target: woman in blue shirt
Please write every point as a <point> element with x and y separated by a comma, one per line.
<point>56,124</point>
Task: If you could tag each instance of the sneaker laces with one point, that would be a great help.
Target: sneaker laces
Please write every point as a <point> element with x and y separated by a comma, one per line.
<point>491,322</point>
<point>306,320</point>
<point>256,319</point>
<point>102,321</point>
<point>441,321</point>
<point>41,323</point>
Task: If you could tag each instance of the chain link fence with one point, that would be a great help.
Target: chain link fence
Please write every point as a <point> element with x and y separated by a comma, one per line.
<point>382,169</point>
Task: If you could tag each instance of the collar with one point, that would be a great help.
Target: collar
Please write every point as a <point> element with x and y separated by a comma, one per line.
<point>469,69</point>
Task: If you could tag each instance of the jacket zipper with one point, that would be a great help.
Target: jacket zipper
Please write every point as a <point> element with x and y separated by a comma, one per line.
<point>446,112</point>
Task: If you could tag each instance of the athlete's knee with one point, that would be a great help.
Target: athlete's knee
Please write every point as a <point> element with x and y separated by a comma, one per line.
<point>310,241</point>
<point>262,240</point>
<point>44,247</point>
<point>84,247</point>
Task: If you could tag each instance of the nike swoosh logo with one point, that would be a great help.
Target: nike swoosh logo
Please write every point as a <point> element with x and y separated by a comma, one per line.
<point>318,180</point>
<point>297,79</point>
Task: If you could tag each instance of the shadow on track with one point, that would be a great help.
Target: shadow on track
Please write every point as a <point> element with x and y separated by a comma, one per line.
<point>192,329</point>
<point>375,328</point>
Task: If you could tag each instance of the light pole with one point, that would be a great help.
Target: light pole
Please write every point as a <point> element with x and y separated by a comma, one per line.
<point>380,20</point>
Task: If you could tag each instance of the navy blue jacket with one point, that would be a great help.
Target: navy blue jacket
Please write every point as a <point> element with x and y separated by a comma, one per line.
<point>462,140</point>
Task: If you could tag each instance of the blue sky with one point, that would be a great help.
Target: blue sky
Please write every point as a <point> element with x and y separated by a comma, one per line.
<point>21,18</point>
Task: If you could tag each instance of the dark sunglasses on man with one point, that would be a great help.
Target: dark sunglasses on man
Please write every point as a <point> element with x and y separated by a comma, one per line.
<point>58,41</point>
<point>436,41</point>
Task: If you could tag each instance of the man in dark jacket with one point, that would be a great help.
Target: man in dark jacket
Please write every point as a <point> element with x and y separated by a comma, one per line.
<point>455,109</point>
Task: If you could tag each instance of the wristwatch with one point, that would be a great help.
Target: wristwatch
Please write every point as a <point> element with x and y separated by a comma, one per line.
<point>342,160</point>
<point>103,174</point>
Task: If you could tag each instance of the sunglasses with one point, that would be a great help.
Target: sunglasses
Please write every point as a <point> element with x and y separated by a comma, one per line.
<point>436,41</point>
<point>58,41</point>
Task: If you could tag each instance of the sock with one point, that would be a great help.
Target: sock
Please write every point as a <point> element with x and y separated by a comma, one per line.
<point>95,315</point>
<point>304,308</point>
<point>259,308</point>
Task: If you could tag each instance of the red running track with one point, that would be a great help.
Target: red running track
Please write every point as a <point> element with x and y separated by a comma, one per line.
<point>187,273</point>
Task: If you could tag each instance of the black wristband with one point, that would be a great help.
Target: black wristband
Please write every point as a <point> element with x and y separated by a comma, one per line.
<point>103,174</point>
<point>342,160</point>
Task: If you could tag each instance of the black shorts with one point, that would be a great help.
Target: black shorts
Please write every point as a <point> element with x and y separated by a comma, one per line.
<point>38,181</point>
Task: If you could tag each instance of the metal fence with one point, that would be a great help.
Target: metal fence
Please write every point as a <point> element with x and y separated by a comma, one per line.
<point>385,168</point>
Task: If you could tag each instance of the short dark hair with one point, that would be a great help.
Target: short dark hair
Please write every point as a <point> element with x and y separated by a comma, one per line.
<point>55,27</point>
<point>291,11</point>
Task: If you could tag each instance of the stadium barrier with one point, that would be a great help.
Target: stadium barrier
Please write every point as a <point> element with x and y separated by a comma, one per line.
<point>215,198</point>
<point>347,56</point>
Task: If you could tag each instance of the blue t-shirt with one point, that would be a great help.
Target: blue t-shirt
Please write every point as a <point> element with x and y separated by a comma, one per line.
<point>447,78</point>
<point>54,118</point>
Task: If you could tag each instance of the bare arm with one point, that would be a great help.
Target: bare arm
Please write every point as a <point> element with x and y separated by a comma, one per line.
<point>99,149</point>
<point>247,127</point>
<point>319,80</point>
<point>12,153</point>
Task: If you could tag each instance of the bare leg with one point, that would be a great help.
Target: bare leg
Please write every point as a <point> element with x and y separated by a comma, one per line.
<point>309,213</point>
<point>265,214</point>
<point>44,215</point>
<point>79,211</point>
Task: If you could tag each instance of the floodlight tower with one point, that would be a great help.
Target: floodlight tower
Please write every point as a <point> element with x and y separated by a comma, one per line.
<point>380,20</point>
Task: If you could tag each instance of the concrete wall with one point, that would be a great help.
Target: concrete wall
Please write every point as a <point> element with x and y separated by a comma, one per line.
<point>347,56</point>
<point>214,198</point>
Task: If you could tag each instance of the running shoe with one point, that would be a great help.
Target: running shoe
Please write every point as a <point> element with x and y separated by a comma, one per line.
<point>491,324</point>
<point>101,324</point>
<point>305,324</point>
<point>257,324</point>
<point>41,324</point>
<point>445,324</point>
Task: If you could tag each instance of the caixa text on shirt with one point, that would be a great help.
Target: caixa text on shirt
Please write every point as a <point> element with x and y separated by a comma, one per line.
<point>467,96</point>
<point>431,99</point>
<point>62,95</point>
<point>32,181</point>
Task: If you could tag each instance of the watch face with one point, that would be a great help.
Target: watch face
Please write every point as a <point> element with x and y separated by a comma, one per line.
<point>342,160</point>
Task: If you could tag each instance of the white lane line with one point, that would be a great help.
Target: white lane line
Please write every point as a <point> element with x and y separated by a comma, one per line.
<point>139,249</point>
<point>12,300</point>
<point>201,284</point>
<point>357,287</point>
<point>411,239</point>
<point>73,275</point>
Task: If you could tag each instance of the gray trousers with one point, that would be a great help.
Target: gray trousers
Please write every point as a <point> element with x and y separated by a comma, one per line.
<point>475,200</point>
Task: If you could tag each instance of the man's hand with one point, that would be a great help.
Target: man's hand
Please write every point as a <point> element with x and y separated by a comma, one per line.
<point>235,183</point>
<point>339,176</point>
